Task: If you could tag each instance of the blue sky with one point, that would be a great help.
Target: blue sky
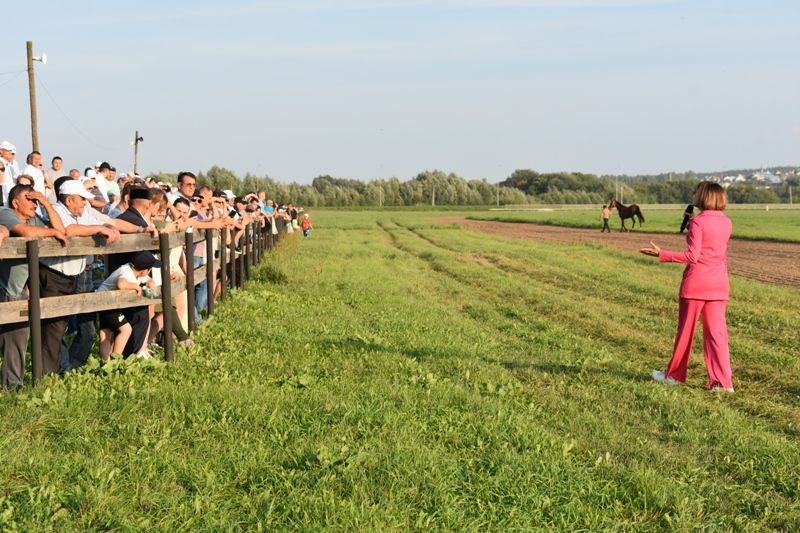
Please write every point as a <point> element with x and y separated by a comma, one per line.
<point>367,89</point>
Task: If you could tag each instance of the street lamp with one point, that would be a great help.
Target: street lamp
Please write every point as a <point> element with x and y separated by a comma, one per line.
<point>32,91</point>
<point>136,140</point>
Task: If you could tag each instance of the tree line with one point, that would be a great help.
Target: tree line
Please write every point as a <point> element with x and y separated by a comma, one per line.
<point>524,186</point>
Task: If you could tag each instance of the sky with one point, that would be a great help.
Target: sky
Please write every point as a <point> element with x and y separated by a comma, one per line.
<point>368,89</point>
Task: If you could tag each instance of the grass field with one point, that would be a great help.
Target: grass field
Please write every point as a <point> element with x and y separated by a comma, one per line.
<point>749,222</point>
<point>395,374</point>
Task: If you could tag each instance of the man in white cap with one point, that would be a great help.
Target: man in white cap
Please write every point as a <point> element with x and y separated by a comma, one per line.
<point>229,197</point>
<point>7,154</point>
<point>76,354</point>
<point>59,275</point>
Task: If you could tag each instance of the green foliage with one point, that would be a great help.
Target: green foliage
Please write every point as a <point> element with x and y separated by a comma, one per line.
<point>561,187</point>
<point>436,186</point>
<point>524,186</point>
<point>666,192</point>
<point>749,194</point>
<point>394,373</point>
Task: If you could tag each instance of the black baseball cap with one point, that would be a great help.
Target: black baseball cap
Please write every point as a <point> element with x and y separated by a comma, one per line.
<point>145,260</point>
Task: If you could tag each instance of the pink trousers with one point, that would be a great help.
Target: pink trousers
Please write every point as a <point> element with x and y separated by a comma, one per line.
<point>715,341</point>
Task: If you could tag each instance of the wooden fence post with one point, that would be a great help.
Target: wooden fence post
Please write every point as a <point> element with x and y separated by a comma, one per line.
<point>232,254</point>
<point>242,259</point>
<point>223,260</point>
<point>166,297</point>
<point>34,309</point>
<point>257,241</point>
<point>210,271</point>
<point>251,238</point>
<point>189,253</point>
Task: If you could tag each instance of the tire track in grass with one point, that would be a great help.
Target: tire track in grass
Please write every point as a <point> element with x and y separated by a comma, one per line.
<point>536,301</point>
<point>428,258</point>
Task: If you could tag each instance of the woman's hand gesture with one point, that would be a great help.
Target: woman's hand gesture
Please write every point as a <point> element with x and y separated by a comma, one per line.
<point>653,250</point>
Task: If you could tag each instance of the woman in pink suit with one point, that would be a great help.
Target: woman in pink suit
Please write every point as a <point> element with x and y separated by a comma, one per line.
<point>704,290</point>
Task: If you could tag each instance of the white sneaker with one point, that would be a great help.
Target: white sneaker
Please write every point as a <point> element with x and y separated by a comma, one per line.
<point>661,377</point>
<point>718,388</point>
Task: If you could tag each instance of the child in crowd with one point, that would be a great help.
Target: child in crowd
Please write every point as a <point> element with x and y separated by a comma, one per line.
<point>306,225</point>
<point>116,326</point>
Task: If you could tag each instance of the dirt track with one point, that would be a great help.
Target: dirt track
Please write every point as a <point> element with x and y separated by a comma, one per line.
<point>770,262</point>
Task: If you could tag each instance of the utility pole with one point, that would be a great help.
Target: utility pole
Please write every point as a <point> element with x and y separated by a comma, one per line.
<point>380,196</point>
<point>498,194</point>
<point>433,196</point>
<point>136,140</point>
<point>32,92</point>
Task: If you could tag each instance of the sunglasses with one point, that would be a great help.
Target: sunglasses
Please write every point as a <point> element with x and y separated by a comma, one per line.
<point>2,169</point>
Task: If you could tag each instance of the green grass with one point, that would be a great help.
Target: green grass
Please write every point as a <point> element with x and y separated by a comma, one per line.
<point>391,373</point>
<point>749,222</point>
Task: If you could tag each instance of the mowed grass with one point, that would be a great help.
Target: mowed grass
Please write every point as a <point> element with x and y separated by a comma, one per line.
<point>779,223</point>
<point>392,373</point>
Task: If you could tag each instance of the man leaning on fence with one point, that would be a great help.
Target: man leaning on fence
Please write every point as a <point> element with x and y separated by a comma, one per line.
<point>59,275</point>
<point>20,219</point>
<point>76,354</point>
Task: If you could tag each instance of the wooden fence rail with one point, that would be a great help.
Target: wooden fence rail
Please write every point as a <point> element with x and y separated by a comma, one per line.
<point>257,238</point>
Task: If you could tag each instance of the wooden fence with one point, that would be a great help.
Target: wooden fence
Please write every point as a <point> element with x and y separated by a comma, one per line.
<point>256,241</point>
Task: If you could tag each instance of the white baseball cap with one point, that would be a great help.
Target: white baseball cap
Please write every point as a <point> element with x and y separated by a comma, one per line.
<point>5,145</point>
<point>229,194</point>
<point>73,187</point>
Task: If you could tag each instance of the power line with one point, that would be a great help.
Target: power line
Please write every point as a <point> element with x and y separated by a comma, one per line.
<point>19,73</point>
<point>71,123</point>
<point>10,72</point>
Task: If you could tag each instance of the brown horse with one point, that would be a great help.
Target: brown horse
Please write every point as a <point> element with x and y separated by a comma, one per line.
<point>627,211</point>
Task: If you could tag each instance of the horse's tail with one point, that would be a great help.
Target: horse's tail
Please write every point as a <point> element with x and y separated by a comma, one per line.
<point>640,215</point>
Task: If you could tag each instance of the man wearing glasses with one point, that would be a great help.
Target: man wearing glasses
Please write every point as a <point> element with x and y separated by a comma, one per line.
<point>187,183</point>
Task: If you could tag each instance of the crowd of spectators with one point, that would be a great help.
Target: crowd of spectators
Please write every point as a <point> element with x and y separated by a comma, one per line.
<point>38,203</point>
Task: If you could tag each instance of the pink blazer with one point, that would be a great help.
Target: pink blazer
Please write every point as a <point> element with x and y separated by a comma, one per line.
<point>706,257</point>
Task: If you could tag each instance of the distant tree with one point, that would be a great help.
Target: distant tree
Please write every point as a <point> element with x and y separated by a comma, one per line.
<point>528,181</point>
<point>166,177</point>
<point>749,194</point>
<point>219,178</point>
